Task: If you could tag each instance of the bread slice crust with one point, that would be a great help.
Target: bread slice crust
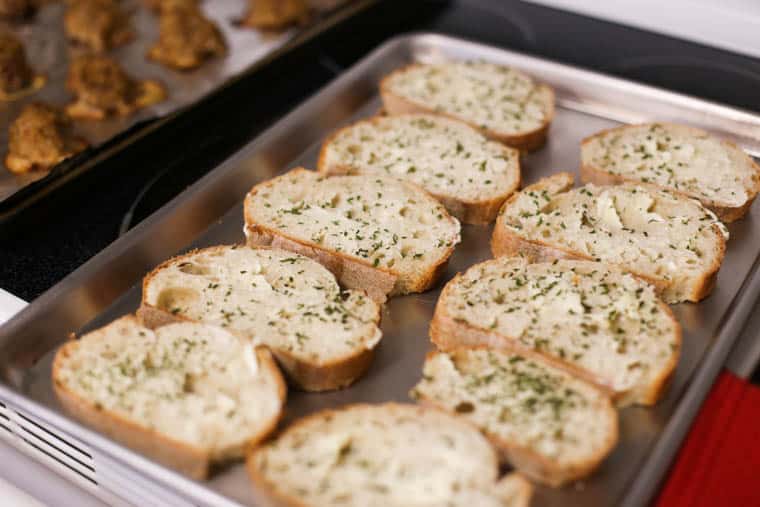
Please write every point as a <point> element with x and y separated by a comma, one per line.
<point>727,213</point>
<point>448,332</point>
<point>352,272</point>
<point>506,242</point>
<point>513,489</point>
<point>313,376</point>
<point>185,458</point>
<point>527,460</point>
<point>468,211</point>
<point>528,141</point>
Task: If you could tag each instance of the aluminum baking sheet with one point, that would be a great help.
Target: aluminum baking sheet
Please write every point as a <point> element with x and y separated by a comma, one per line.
<point>210,212</point>
<point>49,53</point>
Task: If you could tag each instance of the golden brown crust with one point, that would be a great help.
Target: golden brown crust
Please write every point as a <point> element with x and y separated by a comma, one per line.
<point>536,466</point>
<point>548,472</point>
<point>306,375</point>
<point>524,487</point>
<point>271,496</point>
<point>180,456</point>
<point>505,243</point>
<point>351,272</point>
<point>725,213</point>
<point>657,389</point>
<point>529,141</point>
<point>468,211</point>
<point>448,333</point>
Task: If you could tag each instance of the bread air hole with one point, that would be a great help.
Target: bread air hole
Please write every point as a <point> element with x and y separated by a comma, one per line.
<point>192,268</point>
<point>174,299</point>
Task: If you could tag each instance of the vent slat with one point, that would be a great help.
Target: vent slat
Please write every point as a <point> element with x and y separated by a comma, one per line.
<point>60,462</point>
<point>42,441</point>
<point>66,443</point>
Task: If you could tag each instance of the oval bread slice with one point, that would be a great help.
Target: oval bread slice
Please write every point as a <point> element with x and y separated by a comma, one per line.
<point>669,240</point>
<point>549,425</point>
<point>679,158</point>
<point>469,174</point>
<point>187,395</point>
<point>595,321</point>
<point>375,233</point>
<point>323,338</point>
<point>390,455</point>
<point>505,104</point>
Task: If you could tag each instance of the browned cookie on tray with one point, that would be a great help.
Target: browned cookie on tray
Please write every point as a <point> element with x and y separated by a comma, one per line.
<point>39,138</point>
<point>187,38</point>
<point>17,78</point>
<point>103,89</point>
<point>99,25</point>
<point>275,14</point>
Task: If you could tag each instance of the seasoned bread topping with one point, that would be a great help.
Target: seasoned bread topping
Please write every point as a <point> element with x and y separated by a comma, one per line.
<point>375,219</point>
<point>651,232</point>
<point>593,317</point>
<point>486,95</point>
<point>280,299</point>
<point>676,157</point>
<point>190,383</point>
<point>443,156</point>
<point>521,402</point>
<point>383,456</point>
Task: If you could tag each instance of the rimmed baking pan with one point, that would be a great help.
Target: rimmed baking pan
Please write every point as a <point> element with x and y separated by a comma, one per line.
<point>210,212</point>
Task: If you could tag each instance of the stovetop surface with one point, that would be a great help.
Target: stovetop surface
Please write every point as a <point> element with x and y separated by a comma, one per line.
<point>53,237</point>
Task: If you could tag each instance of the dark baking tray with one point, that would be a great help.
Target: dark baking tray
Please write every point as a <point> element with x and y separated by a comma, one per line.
<point>48,53</point>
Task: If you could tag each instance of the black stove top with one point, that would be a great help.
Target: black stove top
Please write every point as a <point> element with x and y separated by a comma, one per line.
<point>49,240</point>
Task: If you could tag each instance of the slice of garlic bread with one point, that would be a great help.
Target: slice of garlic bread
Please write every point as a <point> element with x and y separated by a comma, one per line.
<point>375,233</point>
<point>594,320</point>
<point>390,455</point>
<point>505,104</point>
<point>187,395</point>
<point>679,158</point>
<point>669,240</point>
<point>322,337</point>
<point>549,425</point>
<point>469,174</point>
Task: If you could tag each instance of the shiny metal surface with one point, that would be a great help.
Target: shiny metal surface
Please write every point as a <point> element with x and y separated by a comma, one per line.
<point>49,53</point>
<point>210,212</point>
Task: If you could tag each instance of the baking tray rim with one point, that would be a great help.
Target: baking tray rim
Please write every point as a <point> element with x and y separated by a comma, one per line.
<point>664,447</point>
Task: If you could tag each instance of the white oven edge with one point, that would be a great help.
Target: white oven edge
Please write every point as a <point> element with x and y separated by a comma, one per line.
<point>726,24</point>
<point>10,305</point>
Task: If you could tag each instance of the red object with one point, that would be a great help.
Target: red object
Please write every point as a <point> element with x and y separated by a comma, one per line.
<point>719,462</point>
